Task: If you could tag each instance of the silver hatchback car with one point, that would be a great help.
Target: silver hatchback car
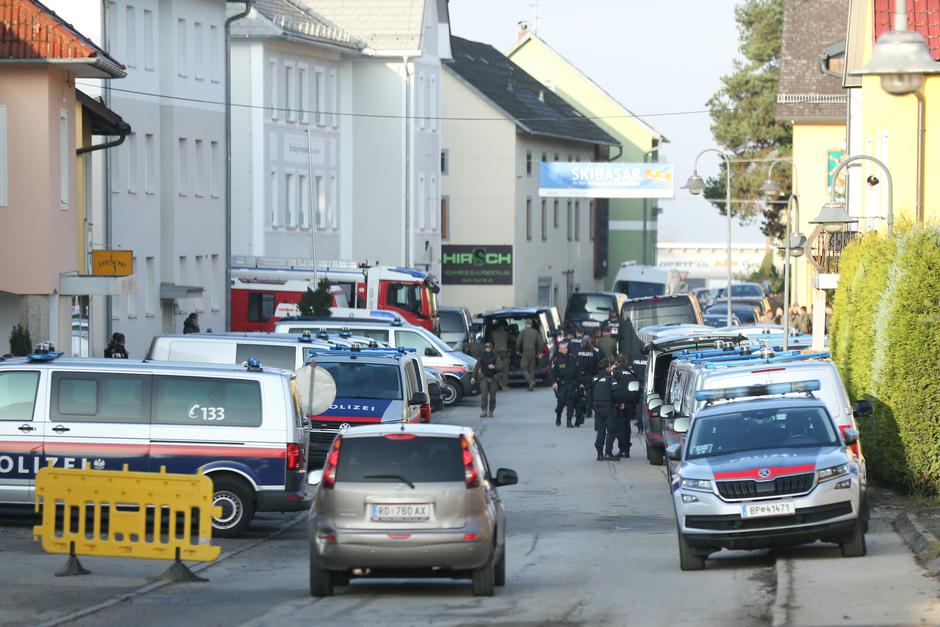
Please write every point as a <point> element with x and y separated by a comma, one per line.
<point>408,500</point>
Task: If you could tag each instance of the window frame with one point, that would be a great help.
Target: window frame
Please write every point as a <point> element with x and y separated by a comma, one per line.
<point>55,415</point>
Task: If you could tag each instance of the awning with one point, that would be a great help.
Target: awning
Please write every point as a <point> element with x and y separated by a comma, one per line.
<point>87,285</point>
<point>171,291</point>
<point>104,121</point>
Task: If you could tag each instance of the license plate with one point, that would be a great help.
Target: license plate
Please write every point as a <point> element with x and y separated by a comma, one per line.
<point>400,512</point>
<point>591,323</point>
<point>762,510</point>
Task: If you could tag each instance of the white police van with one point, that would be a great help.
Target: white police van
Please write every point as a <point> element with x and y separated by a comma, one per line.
<point>241,424</point>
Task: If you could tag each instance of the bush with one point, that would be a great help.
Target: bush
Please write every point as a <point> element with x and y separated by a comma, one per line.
<point>20,342</point>
<point>316,303</point>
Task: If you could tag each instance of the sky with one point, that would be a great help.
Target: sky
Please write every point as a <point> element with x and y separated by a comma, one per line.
<point>655,57</point>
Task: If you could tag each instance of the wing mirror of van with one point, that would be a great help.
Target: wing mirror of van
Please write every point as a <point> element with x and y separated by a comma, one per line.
<point>681,425</point>
<point>419,398</point>
<point>667,411</point>
<point>633,386</point>
<point>505,476</point>
<point>674,452</point>
<point>314,477</point>
<point>850,436</point>
<point>654,404</point>
<point>863,409</point>
<point>431,352</point>
<point>651,396</point>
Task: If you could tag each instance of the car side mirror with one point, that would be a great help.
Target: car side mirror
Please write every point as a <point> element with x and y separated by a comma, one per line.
<point>674,452</point>
<point>667,411</point>
<point>431,352</point>
<point>633,386</point>
<point>654,404</point>
<point>850,436</point>
<point>314,477</point>
<point>681,425</point>
<point>419,398</point>
<point>505,476</point>
<point>863,409</point>
<point>651,396</point>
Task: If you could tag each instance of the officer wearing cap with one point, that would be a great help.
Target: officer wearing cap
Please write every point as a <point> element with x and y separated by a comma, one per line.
<point>487,372</point>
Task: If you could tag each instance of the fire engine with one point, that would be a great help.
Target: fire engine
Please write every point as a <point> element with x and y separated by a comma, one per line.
<point>267,289</point>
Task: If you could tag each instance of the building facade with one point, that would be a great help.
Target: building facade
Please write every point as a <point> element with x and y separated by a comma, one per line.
<point>499,125</point>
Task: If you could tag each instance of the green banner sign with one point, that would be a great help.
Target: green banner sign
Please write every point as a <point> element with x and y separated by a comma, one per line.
<point>476,265</point>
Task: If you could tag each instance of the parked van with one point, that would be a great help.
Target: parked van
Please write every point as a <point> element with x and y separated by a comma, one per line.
<point>287,351</point>
<point>638,313</point>
<point>455,326</point>
<point>242,425</point>
<point>638,281</point>
<point>455,366</point>
<point>590,311</point>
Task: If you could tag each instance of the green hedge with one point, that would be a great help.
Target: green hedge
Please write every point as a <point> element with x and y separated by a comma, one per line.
<point>885,338</point>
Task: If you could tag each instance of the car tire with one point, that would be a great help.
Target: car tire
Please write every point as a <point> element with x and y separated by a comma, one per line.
<point>689,559</point>
<point>484,580</point>
<point>656,454</point>
<point>854,544</point>
<point>321,580</point>
<point>235,498</point>
<point>451,393</point>
<point>500,574</point>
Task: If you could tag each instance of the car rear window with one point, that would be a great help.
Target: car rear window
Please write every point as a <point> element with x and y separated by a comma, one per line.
<point>418,459</point>
<point>358,380</point>
<point>590,303</point>
<point>452,322</point>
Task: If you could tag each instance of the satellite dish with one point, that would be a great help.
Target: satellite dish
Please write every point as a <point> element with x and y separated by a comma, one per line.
<point>317,389</point>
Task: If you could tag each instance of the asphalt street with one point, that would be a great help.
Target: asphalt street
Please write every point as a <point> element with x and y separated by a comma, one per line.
<point>589,543</point>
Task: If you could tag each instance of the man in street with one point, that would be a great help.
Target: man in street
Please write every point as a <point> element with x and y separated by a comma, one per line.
<point>487,373</point>
<point>587,359</point>
<point>500,341</point>
<point>529,344</point>
<point>564,379</point>
<point>627,409</point>
<point>116,347</point>
<point>607,395</point>
<point>607,344</point>
<point>804,322</point>
<point>191,324</point>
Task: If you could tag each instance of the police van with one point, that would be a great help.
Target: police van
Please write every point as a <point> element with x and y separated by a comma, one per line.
<point>241,424</point>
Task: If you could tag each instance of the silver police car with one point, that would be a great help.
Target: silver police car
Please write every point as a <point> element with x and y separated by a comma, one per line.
<point>765,472</point>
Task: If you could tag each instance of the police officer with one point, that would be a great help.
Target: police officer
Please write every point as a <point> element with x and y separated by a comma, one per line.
<point>607,344</point>
<point>487,373</point>
<point>607,395</point>
<point>588,359</point>
<point>627,409</point>
<point>500,341</point>
<point>564,379</point>
<point>529,344</point>
<point>116,348</point>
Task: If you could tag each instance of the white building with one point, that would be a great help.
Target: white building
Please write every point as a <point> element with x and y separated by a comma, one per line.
<point>164,187</point>
<point>491,202</point>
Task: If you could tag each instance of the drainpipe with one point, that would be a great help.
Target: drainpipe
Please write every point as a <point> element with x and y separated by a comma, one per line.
<point>228,158</point>
<point>406,166</point>
<point>919,202</point>
<point>84,150</point>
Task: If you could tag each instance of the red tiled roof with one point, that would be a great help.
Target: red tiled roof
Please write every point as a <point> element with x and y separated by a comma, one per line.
<point>30,30</point>
<point>923,16</point>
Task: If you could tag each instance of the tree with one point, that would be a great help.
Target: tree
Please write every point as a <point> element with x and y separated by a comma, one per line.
<point>743,113</point>
<point>20,342</point>
<point>316,303</point>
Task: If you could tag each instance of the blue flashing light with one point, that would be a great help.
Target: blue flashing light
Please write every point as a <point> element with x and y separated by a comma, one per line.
<point>253,364</point>
<point>771,360</point>
<point>418,274</point>
<point>757,390</point>
<point>381,313</point>
<point>44,356</point>
<point>744,357</point>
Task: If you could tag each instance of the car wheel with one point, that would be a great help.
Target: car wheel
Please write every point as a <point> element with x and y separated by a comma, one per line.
<point>689,559</point>
<point>484,580</point>
<point>656,454</point>
<point>854,544</point>
<point>321,580</point>
<point>451,393</point>
<point>500,576</point>
<point>238,507</point>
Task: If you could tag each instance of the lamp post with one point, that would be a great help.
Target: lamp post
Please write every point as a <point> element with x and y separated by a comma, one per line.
<point>647,154</point>
<point>889,219</point>
<point>696,186</point>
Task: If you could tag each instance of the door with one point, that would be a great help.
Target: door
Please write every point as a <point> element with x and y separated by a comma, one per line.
<point>98,420</point>
<point>20,435</point>
<point>413,385</point>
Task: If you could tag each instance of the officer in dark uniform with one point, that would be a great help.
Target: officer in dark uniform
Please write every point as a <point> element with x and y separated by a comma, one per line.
<point>607,395</point>
<point>487,373</point>
<point>588,359</point>
<point>564,379</point>
<point>626,410</point>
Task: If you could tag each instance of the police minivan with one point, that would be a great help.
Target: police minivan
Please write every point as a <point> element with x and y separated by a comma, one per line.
<point>241,424</point>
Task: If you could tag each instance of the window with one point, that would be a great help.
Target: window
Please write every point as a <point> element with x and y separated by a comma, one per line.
<point>319,98</point>
<point>334,203</point>
<point>421,194</point>
<point>444,162</point>
<point>206,401</point>
<point>577,220</point>
<point>432,90</point>
<point>198,55</point>
<point>544,157</point>
<point>151,282</point>
<point>382,382</point>
<point>570,223</point>
<point>432,198</point>
<point>406,296</point>
<point>183,278</point>
<point>304,89</point>
<point>18,395</point>
<point>200,280</point>
<point>410,339</point>
<point>555,213</point>
<point>100,398</point>
<point>334,99</point>
<point>290,193</point>
<point>182,159</point>
<point>65,158</point>
<point>556,156</point>
<point>569,158</point>
<point>528,219</point>
<point>130,32</point>
<point>4,167</point>
<point>544,220</point>
<point>320,196</point>
<point>112,28</point>
<point>216,282</point>
<point>215,167</point>
<point>445,217</point>
<point>273,89</point>
<point>303,219</point>
<point>200,185</point>
<point>290,93</point>
<point>274,210</point>
<point>148,40</point>
<point>132,297</point>
<point>150,164</point>
<point>260,306</point>
<point>528,163</point>
<point>419,101</point>
<point>592,218</point>
<point>421,460</point>
<point>132,165</point>
<point>270,356</point>
<point>214,45</point>
<point>181,52</point>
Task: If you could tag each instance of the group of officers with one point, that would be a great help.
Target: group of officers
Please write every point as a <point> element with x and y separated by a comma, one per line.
<point>589,375</point>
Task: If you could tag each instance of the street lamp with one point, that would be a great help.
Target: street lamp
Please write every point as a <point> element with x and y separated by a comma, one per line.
<point>889,218</point>
<point>696,185</point>
<point>900,57</point>
<point>771,190</point>
<point>833,217</point>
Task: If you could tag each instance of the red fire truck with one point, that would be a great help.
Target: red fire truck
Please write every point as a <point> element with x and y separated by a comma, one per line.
<point>265,290</point>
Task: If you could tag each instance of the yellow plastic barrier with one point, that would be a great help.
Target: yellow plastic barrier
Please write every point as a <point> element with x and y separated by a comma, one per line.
<point>105,513</point>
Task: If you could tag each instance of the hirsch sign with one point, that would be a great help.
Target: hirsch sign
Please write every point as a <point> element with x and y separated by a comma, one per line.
<point>606,180</point>
<point>476,265</point>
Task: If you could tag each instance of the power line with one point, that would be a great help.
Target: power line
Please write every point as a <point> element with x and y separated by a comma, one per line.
<point>287,110</point>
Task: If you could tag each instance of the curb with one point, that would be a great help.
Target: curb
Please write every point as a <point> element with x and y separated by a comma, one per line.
<point>923,543</point>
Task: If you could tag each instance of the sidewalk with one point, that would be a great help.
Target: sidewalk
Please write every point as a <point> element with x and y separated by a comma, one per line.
<point>917,521</point>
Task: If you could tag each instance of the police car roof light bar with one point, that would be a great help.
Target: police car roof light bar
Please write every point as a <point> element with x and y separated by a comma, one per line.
<point>732,358</point>
<point>746,362</point>
<point>772,389</point>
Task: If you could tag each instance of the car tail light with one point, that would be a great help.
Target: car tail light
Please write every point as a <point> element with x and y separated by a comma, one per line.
<point>545,352</point>
<point>426,413</point>
<point>854,447</point>
<point>469,470</point>
<point>332,461</point>
<point>400,436</point>
<point>296,460</point>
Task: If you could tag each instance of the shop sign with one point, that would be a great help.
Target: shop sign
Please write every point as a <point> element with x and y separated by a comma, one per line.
<point>476,265</point>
